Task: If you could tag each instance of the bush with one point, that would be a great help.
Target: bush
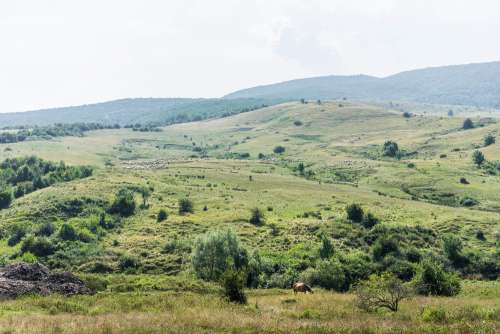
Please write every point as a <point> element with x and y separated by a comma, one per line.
<point>162,215</point>
<point>39,246</point>
<point>431,279</point>
<point>390,149</point>
<point>354,212</point>
<point>328,274</point>
<point>127,262</point>
<point>279,150</point>
<point>468,202</point>
<point>216,252</point>
<point>297,123</point>
<point>67,232</point>
<point>489,139</point>
<point>383,291</point>
<point>124,203</point>
<point>46,229</point>
<point>185,206</point>
<point>256,217</point>
<point>478,158</point>
<point>468,124</point>
<point>233,283</point>
<point>17,233</point>
<point>453,247</point>
<point>5,197</point>
<point>326,250</point>
<point>369,220</point>
<point>463,180</point>
<point>383,246</point>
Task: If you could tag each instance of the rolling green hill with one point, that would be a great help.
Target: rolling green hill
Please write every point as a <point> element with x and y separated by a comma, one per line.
<point>472,84</point>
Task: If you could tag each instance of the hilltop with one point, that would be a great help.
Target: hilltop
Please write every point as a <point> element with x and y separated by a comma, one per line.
<point>471,84</point>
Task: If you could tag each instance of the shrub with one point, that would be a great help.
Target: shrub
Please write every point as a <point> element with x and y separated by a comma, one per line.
<point>463,180</point>
<point>468,124</point>
<point>406,114</point>
<point>46,229</point>
<point>17,233</point>
<point>369,220</point>
<point>279,150</point>
<point>383,291</point>
<point>478,158</point>
<point>297,123</point>
<point>29,257</point>
<point>124,203</point>
<point>256,217</point>
<point>383,246</point>
<point>216,252</point>
<point>327,274</point>
<point>390,149</point>
<point>354,212</point>
<point>5,197</point>
<point>67,232</point>
<point>233,283</point>
<point>162,215</point>
<point>39,246</point>
<point>453,247</point>
<point>489,139</point>
<point>431,279</point>
<point>468,202</point>
<point>185,206</point>
<point>127,262</point>
<point>326,250</point>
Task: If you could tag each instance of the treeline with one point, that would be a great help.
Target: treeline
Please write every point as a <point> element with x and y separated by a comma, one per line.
<point>46,132</point>
<point>21,176</point>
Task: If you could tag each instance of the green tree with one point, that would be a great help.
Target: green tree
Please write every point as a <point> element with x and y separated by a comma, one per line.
<point>468,124</point>
<point>279,150</point>
<point>478,157</point>
<point>390,149</point>
<point>233,283</point>
<point>5,197</point>
<point>162,215</point>
<point>431,279</point>
<point>185,206</point>
<point>67,232</point>
<point>124,203</point>
<point>326,250</point>
<point>256,216</point>
<point>215,252</point>
<point>354,212</point>
<point>489,139</point>
<point>381,291</point>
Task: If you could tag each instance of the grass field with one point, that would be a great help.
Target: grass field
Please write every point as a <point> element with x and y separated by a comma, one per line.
<point>339,143</point>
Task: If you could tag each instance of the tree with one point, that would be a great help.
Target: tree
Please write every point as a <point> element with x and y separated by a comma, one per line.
<point>328,274</point>
<point>489,139</point>
<point>326,250</point>
<point>390,149</point>
<point>354,212</point>
<point>124,203</point>
<point>185,206</point>
<point>431,279</point>
<point>382,291</point>
<point>233,283</point>
<point>369,220</point>
<point>5,197</point>
<point>453,247</point>
<point>216,252</point>
<point>279,150</point>
<point>478,157</point>
<point>468,124</point>
<point>145,194</point>
<point>67,232</point>
<point>162,215</point>
<point>256,217</point>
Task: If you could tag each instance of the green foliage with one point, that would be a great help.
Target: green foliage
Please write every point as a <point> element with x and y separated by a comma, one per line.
<point>328,274</point>
<point>128,262</point>
<point>468,124</point>
<point>453,248</point>
<point>162,215</point>
<point>124,203</point>
<point>256,217</point>
<point>489,139</point>
<point>369,220</point>
<point>390,149</point>
<point>215,252</point>
<point>384,246</point>
<point>279,149</point>
<point>39,246</point>
<point>5,197</point>
<point>326,249</point>
<point>354,212</point>
<point>381,291</point>
<point>478,157</point>
<point>233,283</point>
<point>431,279</point>
<point>185,206</point>
<point>67,232</point>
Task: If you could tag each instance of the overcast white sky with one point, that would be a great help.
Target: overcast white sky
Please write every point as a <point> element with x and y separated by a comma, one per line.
<point>61,52</point>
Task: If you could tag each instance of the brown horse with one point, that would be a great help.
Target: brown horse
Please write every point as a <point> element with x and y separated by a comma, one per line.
<point>301,287</point>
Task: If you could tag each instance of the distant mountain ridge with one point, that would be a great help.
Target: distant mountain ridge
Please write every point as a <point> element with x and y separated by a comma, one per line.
<point>160,111</point>
<point>471,84</point>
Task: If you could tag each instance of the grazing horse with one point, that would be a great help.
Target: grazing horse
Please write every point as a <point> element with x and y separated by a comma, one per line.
<point>301,287</point>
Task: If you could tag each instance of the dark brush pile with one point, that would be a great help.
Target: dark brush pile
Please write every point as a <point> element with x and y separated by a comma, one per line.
<point>24,278</point>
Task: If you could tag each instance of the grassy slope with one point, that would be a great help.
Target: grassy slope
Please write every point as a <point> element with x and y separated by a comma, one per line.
<point>339,144</point>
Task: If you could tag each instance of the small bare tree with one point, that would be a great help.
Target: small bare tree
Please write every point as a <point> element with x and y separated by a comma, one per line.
<point>382,291</point>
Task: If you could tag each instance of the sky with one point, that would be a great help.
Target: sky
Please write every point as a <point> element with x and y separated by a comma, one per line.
<point>58,52</point>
